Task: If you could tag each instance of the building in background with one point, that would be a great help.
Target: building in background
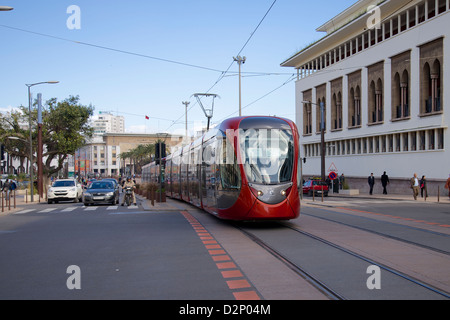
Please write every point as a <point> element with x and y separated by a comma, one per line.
<point>106,122</point>
<point>383,76</point>
<point>101,156</point>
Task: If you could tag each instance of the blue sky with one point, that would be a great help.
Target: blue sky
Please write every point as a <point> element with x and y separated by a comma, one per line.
<point>202,33</point>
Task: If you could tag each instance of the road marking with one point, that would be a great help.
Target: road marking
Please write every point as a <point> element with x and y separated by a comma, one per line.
<point>228,268</point>
<point>73,208</point>
<point>128,212</point>
<point>47,210</point>
<point>7,231</point>
<point>24,211</point>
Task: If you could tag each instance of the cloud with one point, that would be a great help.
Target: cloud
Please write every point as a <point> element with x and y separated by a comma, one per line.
<point>8,109</point>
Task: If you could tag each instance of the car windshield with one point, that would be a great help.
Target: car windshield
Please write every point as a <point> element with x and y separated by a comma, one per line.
<point>101,185</point>
<point>267,155</point>
<point>64,184</point>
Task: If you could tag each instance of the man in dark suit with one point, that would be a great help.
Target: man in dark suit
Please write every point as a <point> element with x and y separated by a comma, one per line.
<point>371,181</point>
<point>384,182</point>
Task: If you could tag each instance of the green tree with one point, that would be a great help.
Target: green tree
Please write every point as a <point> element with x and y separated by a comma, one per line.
<point>65,129</point>
<point>139,156</point>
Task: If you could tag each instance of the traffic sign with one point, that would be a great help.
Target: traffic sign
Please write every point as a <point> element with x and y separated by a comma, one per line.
<point>332,168</point>
<point>332,175</point>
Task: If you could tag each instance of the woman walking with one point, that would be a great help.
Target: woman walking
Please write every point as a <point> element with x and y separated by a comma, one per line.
<point>423,187</point>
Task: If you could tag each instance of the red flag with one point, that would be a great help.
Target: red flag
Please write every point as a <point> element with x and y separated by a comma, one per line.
<point>146,118</point>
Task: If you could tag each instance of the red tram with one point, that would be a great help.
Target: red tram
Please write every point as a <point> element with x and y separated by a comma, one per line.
<point>247,168</point>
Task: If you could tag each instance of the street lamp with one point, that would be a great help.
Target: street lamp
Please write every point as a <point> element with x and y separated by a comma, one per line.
<point>5,8</point>
<point>322,138</point>
<point>31,137</point>
<point>240,60</point>
<point>186,103</point>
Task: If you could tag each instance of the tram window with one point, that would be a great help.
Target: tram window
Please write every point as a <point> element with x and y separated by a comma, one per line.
<point>267,155</point>
<point>230,176</point>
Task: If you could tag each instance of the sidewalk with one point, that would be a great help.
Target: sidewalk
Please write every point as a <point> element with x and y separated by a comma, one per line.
<point>20,204</point>
<point>400,197</point>
<point>169,205</point>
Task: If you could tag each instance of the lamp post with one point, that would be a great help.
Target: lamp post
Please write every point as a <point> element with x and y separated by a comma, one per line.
<point>322,138</point>
<point>186,103</point>
<point>31,137</point>
<point>5,8</point>
<point>240,60</point>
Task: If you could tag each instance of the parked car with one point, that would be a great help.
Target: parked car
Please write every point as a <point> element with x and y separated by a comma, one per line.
<point>315,185</point>
<point>64,190</point>
<point>101,192</point>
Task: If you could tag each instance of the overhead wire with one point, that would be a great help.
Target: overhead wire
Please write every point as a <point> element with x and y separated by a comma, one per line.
<point>290,79</point>
<point>112,49</point>
<point>222,73</point>
<point>231,64</point>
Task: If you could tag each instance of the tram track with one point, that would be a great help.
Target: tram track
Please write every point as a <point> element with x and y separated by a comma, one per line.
<point>317,273</point>
<point>314,281</point>
<point>385,234</point>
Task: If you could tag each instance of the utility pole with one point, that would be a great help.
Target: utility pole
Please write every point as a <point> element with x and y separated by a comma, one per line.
<point>240,60</point>
<point>40,148</point>
<point>186,103</point>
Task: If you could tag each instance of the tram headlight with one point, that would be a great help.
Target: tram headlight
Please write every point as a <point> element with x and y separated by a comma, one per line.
<point>257,193</point>
<point>286,192</point>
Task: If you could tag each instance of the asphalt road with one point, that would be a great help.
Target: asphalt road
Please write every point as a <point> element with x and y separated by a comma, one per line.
<point>68,251</point>
<point>121,253</point>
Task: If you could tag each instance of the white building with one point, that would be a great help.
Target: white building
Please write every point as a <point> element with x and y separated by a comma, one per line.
<point>108,123</point>
<point>382,76</point>
<point>96,157</point>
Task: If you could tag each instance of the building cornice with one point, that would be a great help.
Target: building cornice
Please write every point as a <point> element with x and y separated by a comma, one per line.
<point>344,29</point>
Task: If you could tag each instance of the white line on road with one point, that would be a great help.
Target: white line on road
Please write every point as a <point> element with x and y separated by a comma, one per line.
<point>47,210</point>
<point>24,211</point>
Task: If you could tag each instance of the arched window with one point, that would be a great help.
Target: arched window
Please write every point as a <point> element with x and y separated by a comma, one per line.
<point>400,93</point>
<point>336,111</point>
<point>376,101</point>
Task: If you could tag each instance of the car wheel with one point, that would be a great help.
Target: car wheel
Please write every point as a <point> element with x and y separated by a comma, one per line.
<point>76,199</point>
<point>310,193</point>
<point>49,201</point>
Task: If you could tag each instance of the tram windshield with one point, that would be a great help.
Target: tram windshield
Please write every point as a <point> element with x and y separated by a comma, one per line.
<point>267,155</point>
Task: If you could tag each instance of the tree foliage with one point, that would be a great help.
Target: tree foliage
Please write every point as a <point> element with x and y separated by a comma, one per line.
<point>65,129</point>
<point>141,155</point>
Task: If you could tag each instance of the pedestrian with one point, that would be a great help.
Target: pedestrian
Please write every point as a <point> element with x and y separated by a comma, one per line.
<point>415,186</point>
<point>6,187</point>
<point>384,182</point>
<point>371,181</point>
<point>447,185</point>
<point>423,187</point>
<point>341,181</point>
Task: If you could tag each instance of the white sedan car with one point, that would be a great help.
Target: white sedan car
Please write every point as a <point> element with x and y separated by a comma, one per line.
<point>64,190</point>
